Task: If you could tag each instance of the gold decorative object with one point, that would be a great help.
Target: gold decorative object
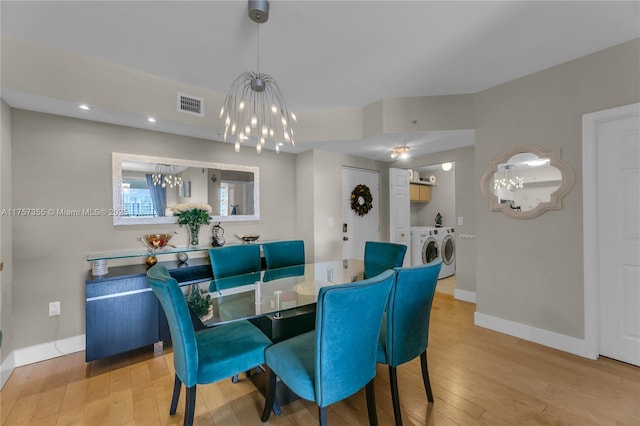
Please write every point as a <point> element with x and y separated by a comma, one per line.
<point>157,241</point>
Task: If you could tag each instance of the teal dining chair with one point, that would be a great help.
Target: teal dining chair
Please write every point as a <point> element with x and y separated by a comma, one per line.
<point>208,355</point>
<point>338,358</point>
<point>280,254</point>
<point>405,328</point>
<point>233,260</point>
<point>379,257</point>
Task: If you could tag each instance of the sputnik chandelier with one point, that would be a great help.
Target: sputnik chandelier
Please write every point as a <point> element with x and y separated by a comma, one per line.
<point>255,107</point>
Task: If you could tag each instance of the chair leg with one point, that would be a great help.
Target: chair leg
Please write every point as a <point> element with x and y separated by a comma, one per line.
<point>322,416</point>
<point>395,397</point>
<point>177,385</point>
<point>234,379</point>
<point>190,406</point>
<point>425,376</point>
<point>371,404</point>
<point>271,396</point>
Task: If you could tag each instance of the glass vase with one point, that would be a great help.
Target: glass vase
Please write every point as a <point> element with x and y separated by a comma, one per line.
<point>194,230</point>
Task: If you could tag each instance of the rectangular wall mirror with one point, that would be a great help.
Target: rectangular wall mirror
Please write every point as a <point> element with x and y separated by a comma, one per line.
<point>145,188</point>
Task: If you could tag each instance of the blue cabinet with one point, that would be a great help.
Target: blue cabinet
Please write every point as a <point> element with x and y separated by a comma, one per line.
<point>122,313</point>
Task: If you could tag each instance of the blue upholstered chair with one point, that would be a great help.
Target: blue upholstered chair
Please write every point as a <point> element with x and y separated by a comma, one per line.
<point>208,355</point>
<point>379,257</point>
<point>280,254</point>
<point>405,328</point>
<point>338,358</point>
<point>240,259</point>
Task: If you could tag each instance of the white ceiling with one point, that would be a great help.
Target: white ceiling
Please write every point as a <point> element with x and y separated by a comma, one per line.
<point>331,54</point>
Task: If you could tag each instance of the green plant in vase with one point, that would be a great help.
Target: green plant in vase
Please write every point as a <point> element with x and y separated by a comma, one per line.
<point>193,215</point>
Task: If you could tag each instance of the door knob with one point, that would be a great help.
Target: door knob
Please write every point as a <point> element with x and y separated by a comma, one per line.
<point>345,238</point>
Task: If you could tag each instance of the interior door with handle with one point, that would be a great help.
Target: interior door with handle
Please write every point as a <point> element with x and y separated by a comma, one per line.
<point>399,214</point>
<point>356,230</point>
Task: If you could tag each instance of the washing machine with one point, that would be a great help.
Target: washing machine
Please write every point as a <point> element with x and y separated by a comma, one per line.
<point>425,246</point>
<point>447,248</point>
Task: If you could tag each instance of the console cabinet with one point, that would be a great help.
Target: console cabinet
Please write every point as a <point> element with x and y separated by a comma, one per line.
<point>123,313</point>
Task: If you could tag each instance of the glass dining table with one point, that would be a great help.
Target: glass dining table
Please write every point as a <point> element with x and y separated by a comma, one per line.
<point>268,296</point>
<point>280,302</point>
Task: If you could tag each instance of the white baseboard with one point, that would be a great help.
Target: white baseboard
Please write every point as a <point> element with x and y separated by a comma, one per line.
<point>465,296</point>
<point>532,334</point>
<point>48,350</point>
<point>7,367</point>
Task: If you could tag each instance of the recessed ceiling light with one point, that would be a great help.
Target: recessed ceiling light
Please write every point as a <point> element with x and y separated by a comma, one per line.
<point>151,120</point>
<point>85,107</point>
<point>447,166</point>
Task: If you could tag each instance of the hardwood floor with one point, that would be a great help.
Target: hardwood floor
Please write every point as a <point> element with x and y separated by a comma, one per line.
<point>479,377</point>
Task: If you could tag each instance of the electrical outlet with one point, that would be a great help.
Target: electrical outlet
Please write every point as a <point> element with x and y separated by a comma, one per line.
<point>54,309</point>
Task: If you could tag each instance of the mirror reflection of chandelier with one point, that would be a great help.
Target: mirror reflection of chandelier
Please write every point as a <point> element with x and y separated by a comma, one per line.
<point>166,175</point>
<point>507,177</point>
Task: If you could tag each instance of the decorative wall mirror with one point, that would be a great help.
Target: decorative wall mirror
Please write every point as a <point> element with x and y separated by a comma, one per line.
<point>526,181</point>
<point>145,188</point>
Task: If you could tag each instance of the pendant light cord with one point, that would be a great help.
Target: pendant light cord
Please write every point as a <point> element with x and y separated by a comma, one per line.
<point>258,47</point>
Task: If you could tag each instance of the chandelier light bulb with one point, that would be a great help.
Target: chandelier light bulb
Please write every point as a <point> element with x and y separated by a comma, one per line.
<point>237,146</point>
<point>254,122</point>
<point>259,148</point>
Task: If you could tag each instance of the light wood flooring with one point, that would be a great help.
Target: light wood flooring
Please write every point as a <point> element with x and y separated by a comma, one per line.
<point>479,377</point>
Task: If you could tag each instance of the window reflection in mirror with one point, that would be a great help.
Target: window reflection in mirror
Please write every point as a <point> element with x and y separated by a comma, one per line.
<point>525,181</point>
<point>145,189</point>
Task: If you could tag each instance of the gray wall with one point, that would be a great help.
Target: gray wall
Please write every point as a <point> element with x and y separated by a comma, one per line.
<point>531,271</point>
<point>6,235</point>
<point>66,163</point>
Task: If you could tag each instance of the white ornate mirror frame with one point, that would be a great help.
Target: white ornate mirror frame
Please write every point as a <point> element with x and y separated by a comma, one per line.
<point>555,199</point>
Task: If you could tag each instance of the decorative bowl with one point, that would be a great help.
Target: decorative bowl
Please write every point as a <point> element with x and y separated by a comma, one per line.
<point>248,238</point>
<point>156,241</point>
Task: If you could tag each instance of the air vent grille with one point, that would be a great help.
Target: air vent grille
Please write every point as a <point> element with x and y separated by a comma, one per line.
<point>190,105</point>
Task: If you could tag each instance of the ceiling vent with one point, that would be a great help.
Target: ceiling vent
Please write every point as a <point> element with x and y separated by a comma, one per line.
<point>190,104</point>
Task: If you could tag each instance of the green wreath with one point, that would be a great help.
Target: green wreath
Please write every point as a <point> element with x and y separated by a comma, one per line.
<point>361,200</point>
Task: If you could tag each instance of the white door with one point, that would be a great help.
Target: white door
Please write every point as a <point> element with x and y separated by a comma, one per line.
<point>618,236</point>
<point>399,215</point>
<point>359,229</point>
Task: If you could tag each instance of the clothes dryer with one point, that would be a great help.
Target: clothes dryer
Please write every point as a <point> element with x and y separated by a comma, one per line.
<point>425,246</point>
<point>447,247</point>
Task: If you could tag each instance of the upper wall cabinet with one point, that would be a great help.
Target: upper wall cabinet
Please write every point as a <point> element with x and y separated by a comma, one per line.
<point>419,193</point>
<point>145,188</point>
<point>526,181</point>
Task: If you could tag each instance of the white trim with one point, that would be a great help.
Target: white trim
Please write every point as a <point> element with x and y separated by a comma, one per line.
<point>532,334</point>
<point>6,369</point>
<point>590,124</point>
<point>465,296</point>
<point>49,350</point>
